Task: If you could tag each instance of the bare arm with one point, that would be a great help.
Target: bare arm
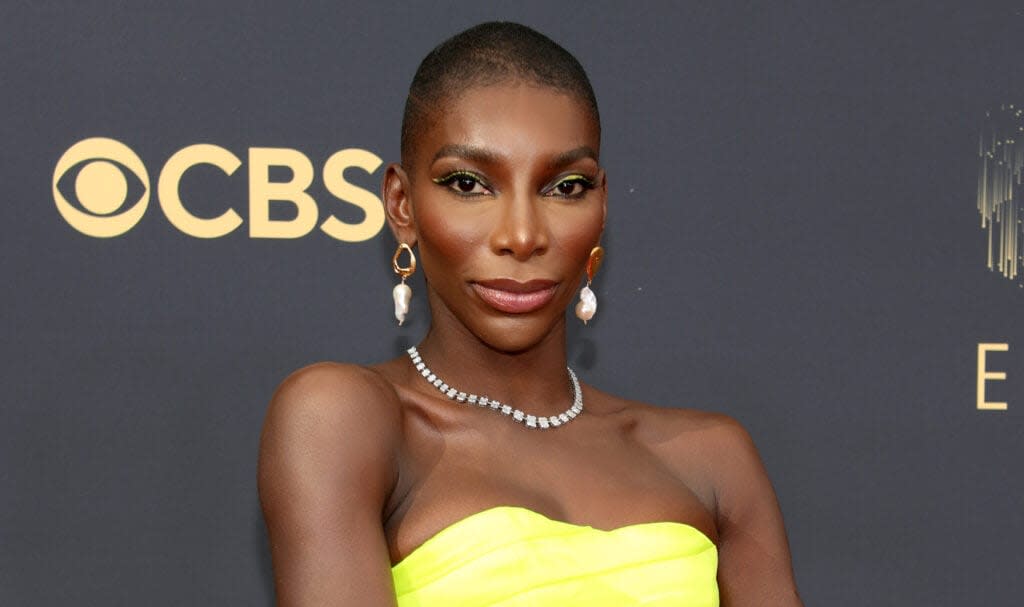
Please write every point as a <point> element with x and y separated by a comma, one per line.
<point>327,465</point>
<point>755,567</point>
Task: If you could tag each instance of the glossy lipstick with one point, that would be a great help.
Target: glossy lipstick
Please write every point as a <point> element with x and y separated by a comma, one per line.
<point>514,297</point>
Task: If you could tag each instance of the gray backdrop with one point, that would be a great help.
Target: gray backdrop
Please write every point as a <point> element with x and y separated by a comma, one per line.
<point>793,240</point>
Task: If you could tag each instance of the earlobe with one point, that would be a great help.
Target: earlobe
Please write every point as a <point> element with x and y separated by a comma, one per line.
<point>395,191</point>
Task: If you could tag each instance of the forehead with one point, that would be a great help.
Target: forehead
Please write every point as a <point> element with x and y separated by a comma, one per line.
<point>510,120</point>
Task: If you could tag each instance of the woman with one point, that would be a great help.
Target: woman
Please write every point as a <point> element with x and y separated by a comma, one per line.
<point>376,484</point>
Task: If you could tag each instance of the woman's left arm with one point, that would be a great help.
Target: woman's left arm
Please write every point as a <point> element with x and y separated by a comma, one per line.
<point>755,567</point>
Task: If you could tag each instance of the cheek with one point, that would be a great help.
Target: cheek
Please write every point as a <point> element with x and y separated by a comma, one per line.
<point>578,234</point>
<point>447,236</point>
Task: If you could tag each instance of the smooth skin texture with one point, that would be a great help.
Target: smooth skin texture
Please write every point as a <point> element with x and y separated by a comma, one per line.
<point>359,466</point>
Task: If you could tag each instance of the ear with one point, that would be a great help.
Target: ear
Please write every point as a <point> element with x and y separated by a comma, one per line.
<point>604,201</point>
<point>398,205</point>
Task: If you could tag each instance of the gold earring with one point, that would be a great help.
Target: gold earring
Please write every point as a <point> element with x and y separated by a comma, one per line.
<point>402,294</point>
<point>587,306</point>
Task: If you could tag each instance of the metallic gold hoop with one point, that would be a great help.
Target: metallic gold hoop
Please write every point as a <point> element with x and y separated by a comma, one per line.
<point>594,262</point>
<point>404,272</point>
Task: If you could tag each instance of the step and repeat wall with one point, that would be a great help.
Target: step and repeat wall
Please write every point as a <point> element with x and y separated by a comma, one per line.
<point>814,226</point>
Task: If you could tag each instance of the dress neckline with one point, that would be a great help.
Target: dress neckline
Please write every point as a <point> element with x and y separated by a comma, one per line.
<point>497,511</point>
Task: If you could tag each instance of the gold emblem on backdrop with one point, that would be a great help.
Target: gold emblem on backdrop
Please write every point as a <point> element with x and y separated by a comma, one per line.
<point>986,375</point>
<point>1000,160</point>
<point>99,167</point>
<point>101,187</point>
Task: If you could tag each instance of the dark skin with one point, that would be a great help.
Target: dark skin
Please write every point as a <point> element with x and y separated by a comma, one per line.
<point>359,466</point>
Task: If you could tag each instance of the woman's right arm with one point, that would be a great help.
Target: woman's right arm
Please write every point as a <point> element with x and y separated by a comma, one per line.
<point>327,465</point>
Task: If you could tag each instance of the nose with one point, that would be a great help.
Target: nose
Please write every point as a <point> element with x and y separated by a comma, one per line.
<point>522,229</point>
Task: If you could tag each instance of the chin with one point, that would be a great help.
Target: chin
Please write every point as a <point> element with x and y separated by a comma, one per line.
<point>516,333</point>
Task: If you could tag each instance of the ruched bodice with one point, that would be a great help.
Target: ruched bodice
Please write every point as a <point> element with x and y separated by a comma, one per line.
<point>512,556</point>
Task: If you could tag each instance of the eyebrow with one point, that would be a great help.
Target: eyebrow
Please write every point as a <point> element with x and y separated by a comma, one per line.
<point>468,152</point>
<point>584,151</point>
<point>482,155</point>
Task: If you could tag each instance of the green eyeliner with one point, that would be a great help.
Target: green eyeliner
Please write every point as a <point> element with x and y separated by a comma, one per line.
<point>454,174</point>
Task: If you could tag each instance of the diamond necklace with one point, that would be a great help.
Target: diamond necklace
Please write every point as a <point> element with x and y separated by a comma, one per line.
<point>531,421</point>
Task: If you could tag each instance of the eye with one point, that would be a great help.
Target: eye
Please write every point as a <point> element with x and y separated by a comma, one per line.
<point>463,183</point>
<point>572,186</point>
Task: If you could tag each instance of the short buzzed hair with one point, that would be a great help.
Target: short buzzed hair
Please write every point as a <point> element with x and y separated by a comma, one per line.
<point>488,54</point>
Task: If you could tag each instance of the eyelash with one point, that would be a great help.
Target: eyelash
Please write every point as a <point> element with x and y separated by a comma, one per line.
<point>585,182</point>
<point>449,180</point>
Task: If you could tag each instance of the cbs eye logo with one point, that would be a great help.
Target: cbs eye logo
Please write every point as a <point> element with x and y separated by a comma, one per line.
<point>112,187</point>
<point>101,187</point>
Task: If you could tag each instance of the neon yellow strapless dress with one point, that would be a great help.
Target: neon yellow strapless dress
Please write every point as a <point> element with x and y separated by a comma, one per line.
<point>512,556</point>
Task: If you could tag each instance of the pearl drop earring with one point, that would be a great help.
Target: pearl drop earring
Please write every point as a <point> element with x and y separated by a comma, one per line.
<point>587,306</point>
<point>402,294</point>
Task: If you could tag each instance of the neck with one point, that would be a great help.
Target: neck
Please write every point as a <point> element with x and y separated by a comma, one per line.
<point>533,379</point>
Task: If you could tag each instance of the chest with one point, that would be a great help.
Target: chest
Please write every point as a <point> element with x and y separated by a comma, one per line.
<point>595,476</point>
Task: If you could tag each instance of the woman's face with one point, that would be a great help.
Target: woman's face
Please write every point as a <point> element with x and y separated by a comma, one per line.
<point>505,199</point>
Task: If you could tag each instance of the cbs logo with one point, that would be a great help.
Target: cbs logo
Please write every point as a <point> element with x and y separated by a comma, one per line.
<point>113,190</point>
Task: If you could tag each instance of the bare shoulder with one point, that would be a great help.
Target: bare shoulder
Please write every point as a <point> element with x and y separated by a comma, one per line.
<point>332,418</point>
<point>719,437</point>
<point>683,429</point>
<point>716,456</point>
<point>334,389</point>
<point>328,463</point>
<point>712,453</point>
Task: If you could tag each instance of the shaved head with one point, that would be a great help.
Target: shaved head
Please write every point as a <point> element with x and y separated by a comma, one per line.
<point>485,55</point>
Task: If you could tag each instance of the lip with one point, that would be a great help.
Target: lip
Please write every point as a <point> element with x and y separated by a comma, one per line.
<point>515,297</point>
